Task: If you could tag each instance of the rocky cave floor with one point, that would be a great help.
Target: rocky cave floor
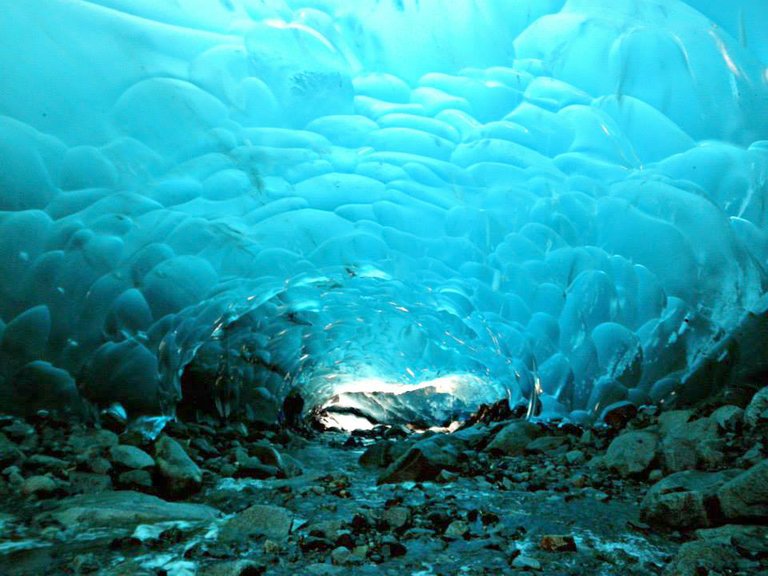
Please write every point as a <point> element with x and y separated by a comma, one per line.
<point>679,492</point>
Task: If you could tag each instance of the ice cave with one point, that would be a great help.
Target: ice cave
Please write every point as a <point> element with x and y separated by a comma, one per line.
<point>397,211</point>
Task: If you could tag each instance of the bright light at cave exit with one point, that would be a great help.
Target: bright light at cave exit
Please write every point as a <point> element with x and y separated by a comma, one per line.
<point>347,384</point>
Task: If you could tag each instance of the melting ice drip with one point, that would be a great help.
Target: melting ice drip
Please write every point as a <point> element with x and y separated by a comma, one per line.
<point>224,200</point>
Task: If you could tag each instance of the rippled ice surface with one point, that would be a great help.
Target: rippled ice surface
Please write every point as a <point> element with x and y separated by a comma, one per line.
<point>226,200</point>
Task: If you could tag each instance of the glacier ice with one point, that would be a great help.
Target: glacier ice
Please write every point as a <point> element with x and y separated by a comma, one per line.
<point>208,204</point>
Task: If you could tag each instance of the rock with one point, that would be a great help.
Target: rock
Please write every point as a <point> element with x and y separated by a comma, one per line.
<point>342,556</point>
<point>9,451</point>
<point>752,538</point>
<point>179,475</point>
<point>745,497</point>
<point>456,529</point>
<point>684,499</point>
<point>513,438</point>
<point>693,444</point>
<point>47,463</point>
<point>392,547</point>
<point>87,483</point>
<point>545,444</point>
<point>251,467</point>
<point>757,410</point>
<point>124,509</point>
<point>523,562</point>
<point>382,453</point>
<point>669,421</point>
<point>40,486</point>
<point>446,477</point>
<point>728,418</point>
<point>139,479</point>
<point>99,465</point>
<point>619,414</point>
<point>91,441</point>
<point>473,436</point>
<point>575,457</point>
<point>233,568</point>
<point>273,522</point>
<point>557,543</point>
<point>702,557</point>
<point>424,460</point>
<point>632,453</point>
<point>131,457</point>
<point>19,431</point>
<point>85,564</point>
<point>396,517</point>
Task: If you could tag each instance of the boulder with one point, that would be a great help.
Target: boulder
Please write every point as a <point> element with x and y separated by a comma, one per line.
<point>130,457</point>
<point>703,557</point>
<point>632,453</point>
<point>178,475</point>
<point>424,460</point>
<point>273,522</point>
<point>757,410</point>
<point>684,499</point>
<point>513,438</point>
<point>729,418</point>
<point>125,509</point>
<point>745,497</point>
<point>694,444</point>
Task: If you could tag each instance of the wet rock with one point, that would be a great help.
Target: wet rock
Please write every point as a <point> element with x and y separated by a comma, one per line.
<point>273,522</point>
<point>252,467</point>
<point>523,562</point>
<point>99,465</point>
<point>343,556</point>
<point>85,564</point>
<point>424,460</point>
<point>456,529</point>
<point>396,517</point>
<point>179,475</point>
<point>131,457</point>
<point>86,483</point>
<point>693,444</point>
<point>728,418</point>
<point>545,444</point>
<point>757,410</point>
<point>750,539</point>
<point>392,548</point>
<point>135,479</point>
<point>19,431</point>
<point>557,543</point>
<point>702,557</point>
<point>684,499</point>
<point>125,509</point>
<point>40,486</point>
<point>45,463</point>
<point>619,414</point>
<point>233,568</point>
<point>9,450</point>
<point>632,453</point>
<point>513,438</point>
<point>90,441</point>
<point>473,437</point>
<point>745,497</point>
<point>382,453</point>
<point>575,457</point>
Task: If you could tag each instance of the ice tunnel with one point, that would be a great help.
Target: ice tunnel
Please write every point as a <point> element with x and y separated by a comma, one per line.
<point>207,204</point>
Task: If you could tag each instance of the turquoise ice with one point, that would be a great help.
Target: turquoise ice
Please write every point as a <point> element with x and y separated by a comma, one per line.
<point>213,202</point>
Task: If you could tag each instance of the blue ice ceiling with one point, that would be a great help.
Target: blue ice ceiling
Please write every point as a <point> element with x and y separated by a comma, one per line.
<point>233,198</point>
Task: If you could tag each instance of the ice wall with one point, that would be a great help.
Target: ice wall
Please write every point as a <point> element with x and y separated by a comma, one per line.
<point>230,198</point>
